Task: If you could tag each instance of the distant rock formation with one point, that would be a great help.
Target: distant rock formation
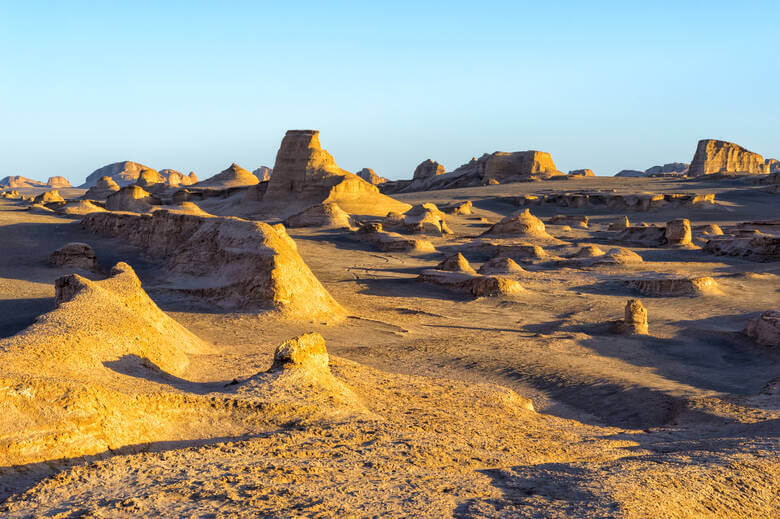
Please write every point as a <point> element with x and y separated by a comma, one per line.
<point>581,173</point>
<point>233,176</point>
<point>427,169</point>
<point>263,173</point>
<point>235,263</point>
<point>173,178</point>
<point>668,169</point>
<point>103,187</point>
<point>423,218</point>
<point>773,165</point>
<point>305,174</point>
<point>369,176</point>
<point>148,178</point>
<point>616,202</point>
<point>630,173</point>
<point>714,156</point>
<point>58,182</point>
<point>580,221</point>
<point>18,182</point>
<point>132,198</point>
<point>123,173</point>
<point>48,197</point>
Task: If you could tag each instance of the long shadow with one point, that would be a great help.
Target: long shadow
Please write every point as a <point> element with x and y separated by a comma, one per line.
<point>409,289</point>
<point>16,479</point>
<point>139,367</point>
<point>18,314</point>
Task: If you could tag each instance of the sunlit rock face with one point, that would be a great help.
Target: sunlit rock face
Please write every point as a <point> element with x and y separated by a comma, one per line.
<point>427,169</point>
<point>713,156</point>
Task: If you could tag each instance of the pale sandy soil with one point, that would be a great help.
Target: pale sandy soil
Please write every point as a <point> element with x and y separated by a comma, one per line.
<point>683,422</point>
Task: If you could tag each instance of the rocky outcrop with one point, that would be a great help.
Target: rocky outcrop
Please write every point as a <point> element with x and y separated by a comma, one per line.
<point>617,257</point>
<point>374,234</point>
<point>620,224</point>
<point>501,265</point>
<point>672,168</point>
<point>456,263</point>
<point>233,176</point>
<point>678,232</point>
<point>148,178</point>
<point>772,165</point>
<point>714,156</point>
<point>672,285</point>
<point>581,173</point>
<point>427,169</point>
<point>328,215</point>
<point>635,320</point>
<point>519,223</point>
<point>235,263</point>
<point>79,208</point>
<point>616,202</point>
<point>420,219</point>
<point>58,182</point>
<point>369,176</point>
<point>579,221</point>
<point>123,173</point>
<point>75,255</point>
<point>263,173</point>
<point>305,175</point>
<point>132,198</point>
<point>462,208</point>
<point>104,187</point>
<point>754,247</point>
<point>630,173</point>
<point>475,284</point>
<point>18,182</point>
<point>765,329</point>
<point>48,197</point>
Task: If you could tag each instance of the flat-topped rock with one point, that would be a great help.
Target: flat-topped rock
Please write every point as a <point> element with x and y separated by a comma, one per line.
<point>714,156</point>
<point>75,255</point>
<point>765,329</point>
<point>58,182</point>
<point>673,285</point>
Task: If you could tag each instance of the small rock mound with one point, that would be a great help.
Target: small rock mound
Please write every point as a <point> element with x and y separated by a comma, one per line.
<point>58,182</point>
<point>420,219</point>
<point>678,232</point>
<point>711,229</point>
<point>474,284</point>
<point>374,234</point>
<point>80,208</point>
<point>148,178</point>
<point>765,329</point>
<point>304,352</point>
<point>132,198</point>
<point>327,214</point>
<point>75,255</point>
<point>187,208</point>
<point>462,208</point>
<point>619,224</point>
<point>456,263</point>
<point>233,176</point>
<point>619,256</point>
<point>48,197</point>
<point>501,265</point>
<point>521,223</point>
<point>103,187</point>
<point>579,221</point>
<point>589,251</point>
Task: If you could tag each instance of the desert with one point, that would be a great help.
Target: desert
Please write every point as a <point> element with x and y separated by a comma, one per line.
<point>463,261</point>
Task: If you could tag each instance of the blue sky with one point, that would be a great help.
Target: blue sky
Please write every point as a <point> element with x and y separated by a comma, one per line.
<point>198,85</point>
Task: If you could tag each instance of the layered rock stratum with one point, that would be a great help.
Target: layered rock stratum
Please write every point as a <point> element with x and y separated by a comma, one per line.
<point>714,156</point>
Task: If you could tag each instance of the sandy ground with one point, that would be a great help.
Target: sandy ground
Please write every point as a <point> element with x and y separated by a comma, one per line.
<point>683,422</point>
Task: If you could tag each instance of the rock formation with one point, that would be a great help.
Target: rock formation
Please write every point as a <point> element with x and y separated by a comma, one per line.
<point>103,187</point>
<point>132,198</point>
<point>456,263</point>
<point>374,234</point>
<point>475,284</point>
<point>48,197</point>
<point>263,173</point>
<point>235,263</point>
<point>501,265</point>
<point>58,182</point>
<point>148,178</point>
<point>369,176</point>
<point>630,173</point>
<point>646,236</point>
<point>462,208</point>
<point>305,175</point>
<point>328,215</point>
<point>618,256</point>
<point>233,176</point>
<point>79,208</point>
<point>75,255</point>
<point>635,320</point>
<point>678,232</point>
<point>713,156</point>
<point>772,165</point>
<point>672,285</point>
<point>422,219</point>
<point>427,169</point>
<point>589,251</point>
<point>616,202</point>
<point>123,173</point>
<point>579,221</point>
<point>581,173</point>
<point>519,223</point>
<point>18,182</point>
<point>620,224</point>
<point>755,247</point>
<point>672,168</point>
<point>765,329</point>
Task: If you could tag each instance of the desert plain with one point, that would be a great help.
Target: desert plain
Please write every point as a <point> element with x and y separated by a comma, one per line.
<point>503,340</point>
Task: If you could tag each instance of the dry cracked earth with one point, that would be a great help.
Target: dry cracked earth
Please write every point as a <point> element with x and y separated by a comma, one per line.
<point>448,398</point>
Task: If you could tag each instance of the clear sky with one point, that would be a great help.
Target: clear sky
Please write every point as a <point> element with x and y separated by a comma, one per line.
<point>197,85</point>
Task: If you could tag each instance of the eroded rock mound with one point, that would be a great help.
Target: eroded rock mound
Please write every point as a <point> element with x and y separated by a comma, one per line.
<point>581,173</point>
<point>75,255</point>
<point>422,219</point>
<point>520,223</point>
<point>765,329</point>
<point>475,284</point>
<point>462,208</point>
<point>427,169</point>
<point>132,198</point>
<point>580,221</point>
<point>617,202</point>
<point>370,176</point>
<point>79,208</point>
<point>714,156</point>
<point>305,175</point>
<point>58,182</point>
<point>149,178</point>
<point>263,173</point>
<point>619,256</point>
<point>233,176</point>
<point>328,215</point>
<point>235,263</point>
<point>19,182</point>
<point>49,197</point>
<point>456,263</point>
<point>123,173</point>
<point>678,232</point>
<point>501,265</point>
<point>103,187</point>
<point>756,247</point>
<point>635,319</point>
<point>672,285</point>
<point>375,234</point>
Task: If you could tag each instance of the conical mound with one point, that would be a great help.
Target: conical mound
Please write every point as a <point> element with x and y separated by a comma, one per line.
<point>456,263</point>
